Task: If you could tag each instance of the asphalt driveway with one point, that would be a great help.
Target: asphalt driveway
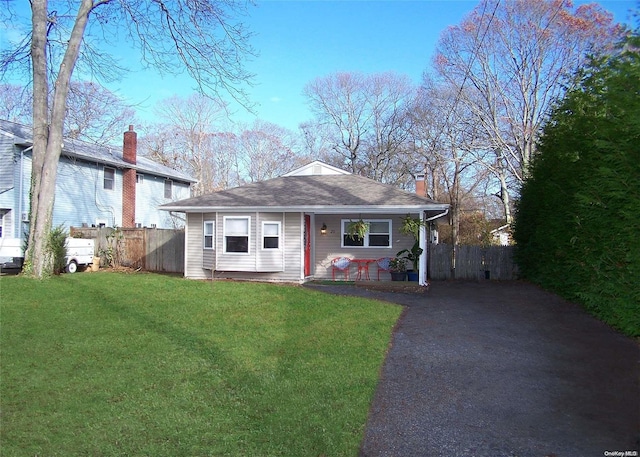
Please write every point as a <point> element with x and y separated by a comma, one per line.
<point>501,369</point>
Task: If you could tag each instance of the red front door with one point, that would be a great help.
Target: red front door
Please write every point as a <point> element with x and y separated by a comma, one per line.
<point>307,245</point>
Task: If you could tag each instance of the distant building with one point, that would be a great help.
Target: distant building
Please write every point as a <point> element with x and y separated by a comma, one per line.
<point>95,185</point>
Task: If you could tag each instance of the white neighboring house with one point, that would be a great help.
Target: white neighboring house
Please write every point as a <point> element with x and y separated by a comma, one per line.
<point>95,186</point>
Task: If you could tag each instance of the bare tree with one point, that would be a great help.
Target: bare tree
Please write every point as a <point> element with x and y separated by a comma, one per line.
<point>445,141</point>
<point>366,118</point>
<point>226,166</point>
<point>508,60</point>
<point>339,101</point>
<point>194,137</point>
<point>316,139</point>
<point>95,114</point>
<point>386,144</point>
<point>15,104</point>
<point>196,36</point>
<point>183,138</point>
<point>267,151</point>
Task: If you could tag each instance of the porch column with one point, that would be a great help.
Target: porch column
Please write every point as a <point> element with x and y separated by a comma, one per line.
<point>422,270</point>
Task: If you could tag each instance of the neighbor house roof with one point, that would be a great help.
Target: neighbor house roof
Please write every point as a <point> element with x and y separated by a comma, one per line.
<point>107,155</point>
<point>328,193</point>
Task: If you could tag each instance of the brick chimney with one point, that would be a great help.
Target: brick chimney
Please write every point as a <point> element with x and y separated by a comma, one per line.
<point>129,152</point>
<point>421,188</point>
<point>129,149</point>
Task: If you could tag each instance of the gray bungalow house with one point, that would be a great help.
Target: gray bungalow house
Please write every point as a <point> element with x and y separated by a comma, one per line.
<point>291,228</point>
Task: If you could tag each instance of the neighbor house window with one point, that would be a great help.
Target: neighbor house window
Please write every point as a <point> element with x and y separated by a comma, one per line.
<point>236,234</point>
<point>208,234</point>
<point>271,235</point>
<point>379,234</point>
<point>2,213</point>
<point>139,178</point>
<point>168,185</point>
<point>109,178</point>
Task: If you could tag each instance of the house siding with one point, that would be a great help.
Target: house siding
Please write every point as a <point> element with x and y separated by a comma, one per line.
<point>208,255</point>
<point>8,194</point>
<point>10,199</point>
<point>150,195</point>
<point>81,197</point>
<point>8,161</point>
<point>294,247</point>
<point>193,241</point>
<point>328,247</point>
<point>284,264</point>
<point>258,266</point>
<point>270,260</point>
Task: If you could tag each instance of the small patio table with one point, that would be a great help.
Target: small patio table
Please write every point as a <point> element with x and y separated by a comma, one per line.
<point>363,267</point>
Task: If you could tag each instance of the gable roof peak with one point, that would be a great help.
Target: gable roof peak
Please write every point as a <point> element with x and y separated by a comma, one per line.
<point>316,168</point>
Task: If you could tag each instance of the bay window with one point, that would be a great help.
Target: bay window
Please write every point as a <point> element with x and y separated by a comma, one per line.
<point>236,234</point>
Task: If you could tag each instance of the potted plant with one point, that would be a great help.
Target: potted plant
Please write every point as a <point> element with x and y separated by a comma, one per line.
<point>411,226</point>
<point>398,269</point>
<point>357,230</point>
<point>413,256</point>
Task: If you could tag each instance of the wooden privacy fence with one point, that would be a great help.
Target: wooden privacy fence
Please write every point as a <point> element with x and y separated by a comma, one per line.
<point>144,248</point>
<point>472,262</point>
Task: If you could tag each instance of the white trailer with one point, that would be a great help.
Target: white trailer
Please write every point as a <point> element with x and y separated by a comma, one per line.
<point>79,253</point>
<point>11,255</point>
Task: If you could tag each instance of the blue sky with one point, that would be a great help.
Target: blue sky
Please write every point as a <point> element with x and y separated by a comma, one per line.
<point>300,40</point>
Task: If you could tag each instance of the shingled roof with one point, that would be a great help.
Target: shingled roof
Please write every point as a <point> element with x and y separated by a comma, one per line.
<point>339,193</point>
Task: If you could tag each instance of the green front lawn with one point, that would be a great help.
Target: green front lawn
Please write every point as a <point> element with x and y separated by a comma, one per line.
<point>107,364</point>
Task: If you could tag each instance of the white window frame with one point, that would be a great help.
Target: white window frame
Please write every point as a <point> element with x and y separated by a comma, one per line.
<point>170,183</point>
<point>139,178</point>
<point>343,231</point>
<point>205,235</point>
<point>226,234</point>
<point>112,180</point>
<point>279,235</point>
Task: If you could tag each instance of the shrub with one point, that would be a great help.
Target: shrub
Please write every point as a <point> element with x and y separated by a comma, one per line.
<point>577,218</point>
<point>57,248</point>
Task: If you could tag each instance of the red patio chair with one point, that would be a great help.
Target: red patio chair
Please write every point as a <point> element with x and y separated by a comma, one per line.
<point>384,264</point>
<point>342,265</point>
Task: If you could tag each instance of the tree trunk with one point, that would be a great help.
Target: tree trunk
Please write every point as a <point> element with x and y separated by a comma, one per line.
<point>35,242</point>
<point>504,198</point>
<point>47,133</point>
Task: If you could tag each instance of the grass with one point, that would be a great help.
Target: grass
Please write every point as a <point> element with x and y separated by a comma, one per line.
<point>114,364</point>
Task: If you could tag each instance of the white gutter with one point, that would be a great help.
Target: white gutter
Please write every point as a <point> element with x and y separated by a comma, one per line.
<point>446,211</point>
<point>21,190</point>
<point>369,209</point>
<point>422,278</point>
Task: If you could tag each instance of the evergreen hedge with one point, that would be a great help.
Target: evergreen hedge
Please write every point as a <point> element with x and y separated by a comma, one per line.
<point>578,219</point>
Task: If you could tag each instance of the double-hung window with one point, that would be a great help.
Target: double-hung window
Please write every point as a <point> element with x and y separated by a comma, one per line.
<point>209,230</point>
<point>271,235</point>
<point>109,178</point>
<point>236,234</point>
<point>378,235</point>
<point>168,187</point>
